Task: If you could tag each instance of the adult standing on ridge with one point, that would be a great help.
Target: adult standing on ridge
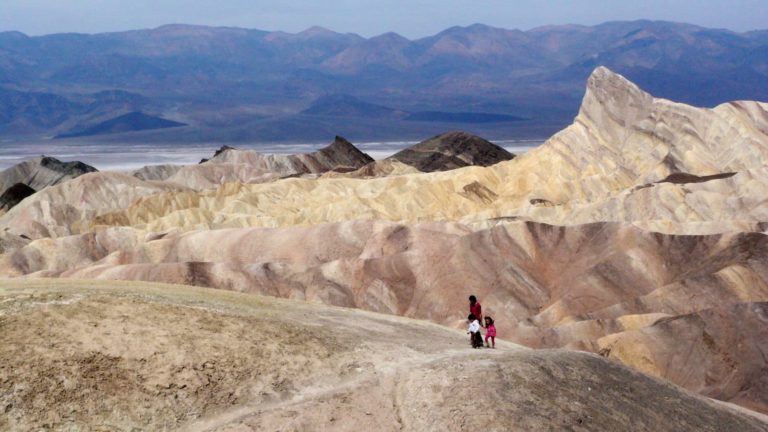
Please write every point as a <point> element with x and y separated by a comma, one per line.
<point>475,309</point>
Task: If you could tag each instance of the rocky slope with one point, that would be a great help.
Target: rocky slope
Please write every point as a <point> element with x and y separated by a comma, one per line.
<point>248,166</point>
<point>64,209</point>
<point>131,356</point>
<point>24,179</point>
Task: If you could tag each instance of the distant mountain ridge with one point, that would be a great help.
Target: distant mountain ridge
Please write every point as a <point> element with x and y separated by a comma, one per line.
<point>234,84</point>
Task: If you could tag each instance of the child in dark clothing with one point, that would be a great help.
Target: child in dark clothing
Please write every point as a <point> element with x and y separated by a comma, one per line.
<point>474,331</point>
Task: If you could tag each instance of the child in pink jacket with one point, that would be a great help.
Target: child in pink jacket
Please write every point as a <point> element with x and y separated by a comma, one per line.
<point>490,332</point>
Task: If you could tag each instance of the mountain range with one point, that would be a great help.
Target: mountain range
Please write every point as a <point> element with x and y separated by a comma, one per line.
<point>233,84</point>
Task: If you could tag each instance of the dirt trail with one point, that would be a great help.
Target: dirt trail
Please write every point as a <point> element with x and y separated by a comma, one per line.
<point>86,355</point>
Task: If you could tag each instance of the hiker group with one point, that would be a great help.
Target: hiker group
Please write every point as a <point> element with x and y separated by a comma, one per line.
<point>475,320</point>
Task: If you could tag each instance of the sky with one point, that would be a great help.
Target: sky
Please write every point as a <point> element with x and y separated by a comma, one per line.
<point>410,18</point>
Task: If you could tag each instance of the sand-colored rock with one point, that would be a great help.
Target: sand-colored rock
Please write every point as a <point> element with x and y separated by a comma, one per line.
<point>248,166</point>
<point>68,208</point>
<point>132,356</point>
<point>41,172</point>
<point>717,352</point>
<point>156,172</point>
<point>379,168</point>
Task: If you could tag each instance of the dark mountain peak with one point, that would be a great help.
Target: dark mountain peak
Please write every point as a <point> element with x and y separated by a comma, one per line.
<point>222,149</point>
<point>43,171</point>
<point>73,168</point>
<point>341,144</point>
<point>452,150</point>
<point>345,153</point>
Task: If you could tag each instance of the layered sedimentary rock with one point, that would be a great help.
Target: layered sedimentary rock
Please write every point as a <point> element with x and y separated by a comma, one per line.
<point>156,172</point>
<point>718,352</point>
<point>41,172</point>
<point>248,166</point>
<point>68,208</point>
<point>379,168</point>
<point>24,179</point>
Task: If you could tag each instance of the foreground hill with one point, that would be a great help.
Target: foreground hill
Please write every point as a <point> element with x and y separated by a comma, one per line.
<point>124,356</point>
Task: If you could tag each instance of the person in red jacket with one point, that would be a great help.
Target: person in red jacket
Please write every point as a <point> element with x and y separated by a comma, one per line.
<point>475,309</point>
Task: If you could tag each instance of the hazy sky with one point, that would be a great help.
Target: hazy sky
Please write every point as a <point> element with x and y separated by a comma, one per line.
<point>411,18</point>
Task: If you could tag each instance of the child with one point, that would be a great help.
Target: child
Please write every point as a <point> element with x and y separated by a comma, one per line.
<point>491,333</point>
<point>474,331</point>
